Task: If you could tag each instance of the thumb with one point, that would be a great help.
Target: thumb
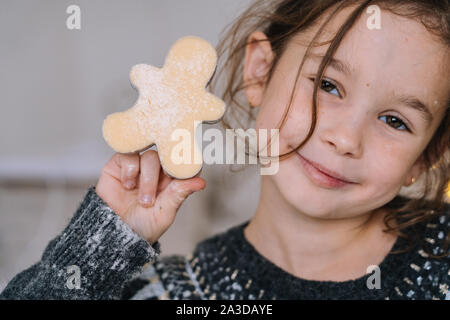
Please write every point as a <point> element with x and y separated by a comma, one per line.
<point>177,191</point>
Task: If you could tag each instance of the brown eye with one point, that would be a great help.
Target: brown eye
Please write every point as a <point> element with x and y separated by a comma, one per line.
<point>329,87</point>
<point>396,123</point>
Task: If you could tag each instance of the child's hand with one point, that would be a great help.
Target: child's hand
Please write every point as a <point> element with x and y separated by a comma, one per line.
<point>127,181</point>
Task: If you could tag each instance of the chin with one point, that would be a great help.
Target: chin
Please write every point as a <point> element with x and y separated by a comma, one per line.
<point>317,211</point>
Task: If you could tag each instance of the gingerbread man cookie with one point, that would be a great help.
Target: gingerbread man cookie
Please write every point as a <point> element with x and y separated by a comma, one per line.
<point>170,98</point>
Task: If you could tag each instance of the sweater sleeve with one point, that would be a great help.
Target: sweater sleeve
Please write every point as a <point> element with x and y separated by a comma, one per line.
<point>94,257</point>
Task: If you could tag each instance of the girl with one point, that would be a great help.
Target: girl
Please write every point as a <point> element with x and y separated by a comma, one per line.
<point>360,93</point>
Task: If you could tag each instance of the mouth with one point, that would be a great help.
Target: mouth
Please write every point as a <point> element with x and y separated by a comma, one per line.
<point>322,176</point>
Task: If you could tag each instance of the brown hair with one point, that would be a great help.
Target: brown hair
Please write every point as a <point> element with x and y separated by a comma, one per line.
<point>280,21</point>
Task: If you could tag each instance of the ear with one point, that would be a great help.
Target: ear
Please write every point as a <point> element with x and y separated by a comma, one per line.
<point>257,63</point>
<point>416,171</point>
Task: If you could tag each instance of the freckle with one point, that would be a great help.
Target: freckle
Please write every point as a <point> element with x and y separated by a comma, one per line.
<point>367,84</point>
<point>406,39</point>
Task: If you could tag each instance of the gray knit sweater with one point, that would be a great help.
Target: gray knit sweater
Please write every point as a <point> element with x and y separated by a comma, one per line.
<point>97,256</point>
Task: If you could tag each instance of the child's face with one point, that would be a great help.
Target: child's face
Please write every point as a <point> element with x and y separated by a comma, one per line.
<point>358,132</point>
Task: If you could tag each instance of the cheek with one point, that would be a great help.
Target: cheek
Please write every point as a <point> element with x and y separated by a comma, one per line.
<point>298,118</point>
<point>390,161</point>
<point>276,97</point>
<point>387,167</point>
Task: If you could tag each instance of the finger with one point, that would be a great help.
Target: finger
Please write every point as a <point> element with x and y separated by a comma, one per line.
<point>129,169</point>
<point>148,178</point>
<point>164,180</point>
<point>176,192</point>
<point>112,167</point>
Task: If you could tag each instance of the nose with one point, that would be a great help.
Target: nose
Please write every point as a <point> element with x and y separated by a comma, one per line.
<point>344,134</point>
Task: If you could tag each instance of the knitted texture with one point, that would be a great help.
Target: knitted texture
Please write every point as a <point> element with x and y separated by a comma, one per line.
<point>106,251</point>
<point>115,263</point>
<point>227,266</point>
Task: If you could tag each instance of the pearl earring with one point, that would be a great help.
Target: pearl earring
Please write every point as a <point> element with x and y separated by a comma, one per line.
<point>413,180</point>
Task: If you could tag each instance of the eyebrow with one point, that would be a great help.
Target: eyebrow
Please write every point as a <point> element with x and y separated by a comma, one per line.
<point>416,104</point>
<point>336,64</point>
<point>407,100</point>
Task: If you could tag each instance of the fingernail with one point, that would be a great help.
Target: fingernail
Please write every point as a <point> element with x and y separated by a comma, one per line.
<point>146,199</point>
<point>130,170</point>
<point>129,184</point>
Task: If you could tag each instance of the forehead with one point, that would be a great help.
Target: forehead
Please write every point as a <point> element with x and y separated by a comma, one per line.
<point>400,56</point>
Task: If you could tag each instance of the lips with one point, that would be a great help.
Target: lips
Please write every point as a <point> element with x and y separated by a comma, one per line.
<point>323,176</point>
